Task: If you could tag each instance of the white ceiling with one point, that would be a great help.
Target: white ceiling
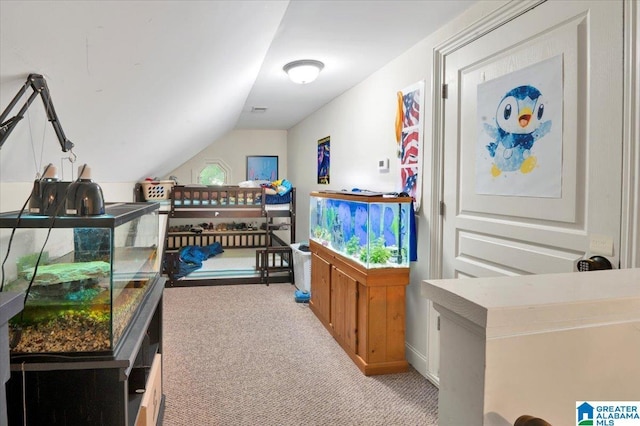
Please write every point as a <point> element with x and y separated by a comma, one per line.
<point>142,86</point>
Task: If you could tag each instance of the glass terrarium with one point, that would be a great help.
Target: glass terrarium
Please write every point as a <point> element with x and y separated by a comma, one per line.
<point>373,231</point>
<point>83,278</point>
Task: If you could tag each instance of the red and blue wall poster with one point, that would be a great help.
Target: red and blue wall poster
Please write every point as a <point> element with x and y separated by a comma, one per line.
<point>324,160</point>
<point>409,140</point>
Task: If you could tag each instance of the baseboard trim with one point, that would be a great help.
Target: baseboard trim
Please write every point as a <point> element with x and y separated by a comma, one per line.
<point>416,359</point>
<point>433,379</point>
<point>420,362</point>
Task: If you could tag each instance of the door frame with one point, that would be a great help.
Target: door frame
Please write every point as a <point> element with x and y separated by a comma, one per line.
<point>630,224</point>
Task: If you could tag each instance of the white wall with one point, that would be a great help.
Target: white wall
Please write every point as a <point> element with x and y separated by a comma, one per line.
<point>361,126</point>
<point>232,150</point>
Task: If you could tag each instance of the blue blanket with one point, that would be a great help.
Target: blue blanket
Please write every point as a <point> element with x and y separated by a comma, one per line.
<point>190,258</point>
<point>277,198</point>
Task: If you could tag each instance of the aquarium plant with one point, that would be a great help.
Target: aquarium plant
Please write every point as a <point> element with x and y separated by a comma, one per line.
<point>331,217</point>
<point>321,233</point>
<point>353,246</point>
<point>378,253</point>
<point>317,231</point>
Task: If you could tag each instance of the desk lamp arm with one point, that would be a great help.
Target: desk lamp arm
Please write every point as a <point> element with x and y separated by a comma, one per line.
<point>39,86</point>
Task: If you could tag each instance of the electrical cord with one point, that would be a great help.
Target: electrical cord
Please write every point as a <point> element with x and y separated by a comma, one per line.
<point>13,231</point>
<point>24,395</point>
<point>17,336</point>
<point>53,221</point>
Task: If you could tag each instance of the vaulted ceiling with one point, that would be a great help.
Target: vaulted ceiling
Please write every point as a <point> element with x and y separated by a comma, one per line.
<point>142,86</point>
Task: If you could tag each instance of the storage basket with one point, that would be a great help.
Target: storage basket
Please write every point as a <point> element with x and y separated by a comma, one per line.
<point>157,190</point>
<point>301,268</point>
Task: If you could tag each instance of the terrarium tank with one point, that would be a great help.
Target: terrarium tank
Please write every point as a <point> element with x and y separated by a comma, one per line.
<point>372,231</point>
<point>83,278</point>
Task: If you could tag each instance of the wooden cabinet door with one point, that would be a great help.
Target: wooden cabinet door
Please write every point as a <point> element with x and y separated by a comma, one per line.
<point>344,310</point>
<point>321,294</point>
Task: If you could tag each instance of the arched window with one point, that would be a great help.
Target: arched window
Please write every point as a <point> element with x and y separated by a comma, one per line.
<point>214,173</point>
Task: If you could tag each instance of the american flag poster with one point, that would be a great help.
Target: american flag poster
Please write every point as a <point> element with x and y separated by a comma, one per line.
<point>409,152</point>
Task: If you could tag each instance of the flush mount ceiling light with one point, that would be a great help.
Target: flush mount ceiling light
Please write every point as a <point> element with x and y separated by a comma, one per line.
<point>303,71</point>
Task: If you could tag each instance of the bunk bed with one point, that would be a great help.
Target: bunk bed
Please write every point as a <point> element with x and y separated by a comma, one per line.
<point>250,225</point>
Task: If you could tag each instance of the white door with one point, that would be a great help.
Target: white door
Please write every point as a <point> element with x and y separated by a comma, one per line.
<point>494,223</point>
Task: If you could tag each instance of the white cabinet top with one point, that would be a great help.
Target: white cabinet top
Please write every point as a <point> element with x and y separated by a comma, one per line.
<point>507,306</point>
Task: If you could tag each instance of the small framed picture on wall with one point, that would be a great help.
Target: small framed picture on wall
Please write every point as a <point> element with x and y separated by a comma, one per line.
<point>324,160</point>
<point>262,167</point>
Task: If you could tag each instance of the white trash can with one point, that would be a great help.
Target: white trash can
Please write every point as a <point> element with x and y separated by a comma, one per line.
<point>301,268</point>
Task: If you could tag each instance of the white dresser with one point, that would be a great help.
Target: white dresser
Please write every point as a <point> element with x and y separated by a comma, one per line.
<point>536,344</point>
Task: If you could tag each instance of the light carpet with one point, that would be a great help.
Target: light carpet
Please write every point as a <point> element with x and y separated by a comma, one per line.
<point>250,355</point>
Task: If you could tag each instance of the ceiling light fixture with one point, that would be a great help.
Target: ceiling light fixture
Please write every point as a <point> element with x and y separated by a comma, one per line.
<point>303,71</point>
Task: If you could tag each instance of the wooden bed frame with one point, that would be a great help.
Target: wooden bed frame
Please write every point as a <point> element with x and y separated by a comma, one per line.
<point>212,205</point>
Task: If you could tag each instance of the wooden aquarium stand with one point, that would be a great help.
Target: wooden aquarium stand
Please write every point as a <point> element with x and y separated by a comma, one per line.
<point>363,309</point>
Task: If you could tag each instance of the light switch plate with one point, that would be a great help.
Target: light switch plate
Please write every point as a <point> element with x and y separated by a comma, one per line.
<point>601,244</point>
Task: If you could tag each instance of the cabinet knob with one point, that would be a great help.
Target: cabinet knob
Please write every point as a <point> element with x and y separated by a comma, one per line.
<point>527,420</point>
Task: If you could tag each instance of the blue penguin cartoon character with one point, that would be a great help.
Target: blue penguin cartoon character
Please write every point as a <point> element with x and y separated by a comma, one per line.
<point>519,120</point>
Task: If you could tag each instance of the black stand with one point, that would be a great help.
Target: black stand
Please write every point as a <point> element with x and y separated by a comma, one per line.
<point>91,392</point>
<point>10,305</point>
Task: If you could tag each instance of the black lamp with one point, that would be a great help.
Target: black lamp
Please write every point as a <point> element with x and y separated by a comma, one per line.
<point>84,196</point>
<point>44,193</point>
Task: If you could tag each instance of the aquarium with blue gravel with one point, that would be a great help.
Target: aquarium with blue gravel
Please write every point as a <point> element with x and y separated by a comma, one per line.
<point>83,278</point>
<point>372,231</point>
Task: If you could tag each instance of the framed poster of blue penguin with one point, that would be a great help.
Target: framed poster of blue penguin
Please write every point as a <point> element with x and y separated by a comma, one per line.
<point>519,147</point>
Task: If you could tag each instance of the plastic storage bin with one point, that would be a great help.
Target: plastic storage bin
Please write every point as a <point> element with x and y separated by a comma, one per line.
<point>301,268</point>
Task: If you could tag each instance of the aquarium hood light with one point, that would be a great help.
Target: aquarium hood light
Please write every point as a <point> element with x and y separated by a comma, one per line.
<point>52,197</point>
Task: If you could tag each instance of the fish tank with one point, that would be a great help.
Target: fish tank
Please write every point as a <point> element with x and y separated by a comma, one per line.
<point>371,230</point>
<point>83,278</point>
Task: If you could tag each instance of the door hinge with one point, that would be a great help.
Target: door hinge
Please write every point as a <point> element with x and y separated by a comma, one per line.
<point>442,207</point>
<point>438,325</point>
<point>445,91</point>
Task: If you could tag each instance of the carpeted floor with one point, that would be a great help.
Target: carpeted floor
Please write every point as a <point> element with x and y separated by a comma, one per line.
<point>250,355</point>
